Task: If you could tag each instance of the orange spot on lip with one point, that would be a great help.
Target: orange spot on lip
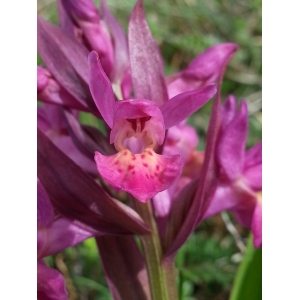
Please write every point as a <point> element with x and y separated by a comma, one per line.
<point>145,165</point>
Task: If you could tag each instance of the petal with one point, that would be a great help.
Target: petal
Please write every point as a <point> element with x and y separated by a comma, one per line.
<point>142,175</point>
<point>101,89</point>
<point>183,105</point>
<point>231,148</point>
<point>181,139</point>
<point>204,69</point>
<point>234,197</point>
<point>253,177</point>
<point>229,110</point>
<point>50,283</point>
<point>253,156</point>
<point>162,203</point>
<point>209,64</point>
<point>45,212</point>
<point>145,59</point>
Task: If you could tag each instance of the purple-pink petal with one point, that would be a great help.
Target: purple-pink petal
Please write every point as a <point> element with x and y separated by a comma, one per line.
<point>253,177</point>
<point>101,89</point>
<point>142,175</point>
<point>229,110</point>
<point>204,69</point>
<point>231,148</point>
<point>145,59</point>
<point>253,156</point>
<point>183,105</point>
<point>225,198</point>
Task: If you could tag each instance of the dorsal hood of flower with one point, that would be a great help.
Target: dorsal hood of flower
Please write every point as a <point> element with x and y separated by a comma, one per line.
<point>138,127</point>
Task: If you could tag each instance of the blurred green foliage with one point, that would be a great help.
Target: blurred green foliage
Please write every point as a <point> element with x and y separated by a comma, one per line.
<point>208,262</point>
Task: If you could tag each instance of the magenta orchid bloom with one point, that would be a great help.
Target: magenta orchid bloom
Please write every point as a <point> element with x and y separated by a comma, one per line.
<point>240,181</point>
<point>54,235</point>
<point>138,126</point>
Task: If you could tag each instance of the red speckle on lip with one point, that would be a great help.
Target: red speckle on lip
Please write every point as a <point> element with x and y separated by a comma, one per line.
<point>157,167</point>
<point>130,167</point>
<point>150,153</point>
<point>116,162</point>
<point>133,157</point>
<point>143,156</point>
<point>133,172</point>
<point>145,165</point>
<point>120,170</point>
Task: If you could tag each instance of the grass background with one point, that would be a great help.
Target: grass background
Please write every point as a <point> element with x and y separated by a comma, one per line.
<point>208,262</point>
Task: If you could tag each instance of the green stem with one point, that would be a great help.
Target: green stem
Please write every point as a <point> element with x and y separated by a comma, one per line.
<point>169,271</point>
<point>152,253</point>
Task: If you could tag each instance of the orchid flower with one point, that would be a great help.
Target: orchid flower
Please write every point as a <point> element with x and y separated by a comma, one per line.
<point>240,184</point>
<point>138,126</point>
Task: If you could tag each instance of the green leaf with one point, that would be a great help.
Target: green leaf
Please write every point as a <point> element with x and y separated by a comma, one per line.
<point>248,281</point>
